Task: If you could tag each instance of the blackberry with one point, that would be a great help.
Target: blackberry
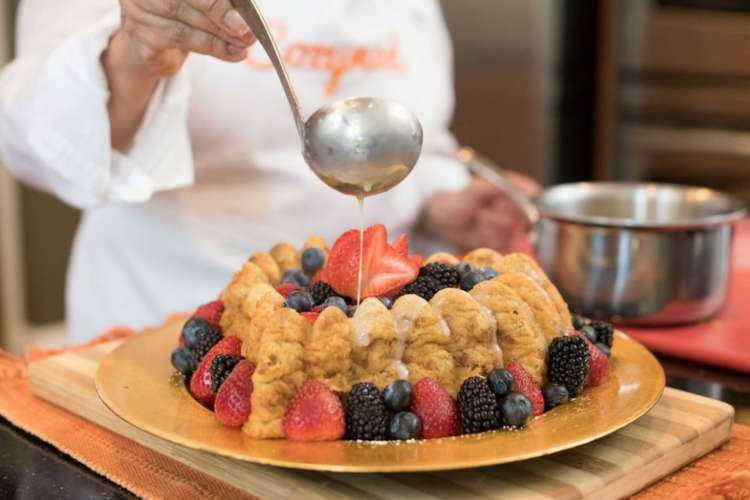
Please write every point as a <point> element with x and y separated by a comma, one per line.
<point>424,286</point>
<point>221,366</point>
<point>320,291</point>
<point>568,363</point>
<point>366,414</point>
<point>204,341</point>
<point>444,274</point>
<point>605,332</point>
<point>477,406</point>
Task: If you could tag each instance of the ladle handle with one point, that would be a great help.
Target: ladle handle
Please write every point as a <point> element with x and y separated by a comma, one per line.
<point>487,170</point>
<point>254,19</point>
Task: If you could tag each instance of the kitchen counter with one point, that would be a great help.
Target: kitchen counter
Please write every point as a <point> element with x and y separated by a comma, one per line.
<point>30,468</point>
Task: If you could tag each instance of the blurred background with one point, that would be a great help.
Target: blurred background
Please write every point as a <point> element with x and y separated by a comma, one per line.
<point>562,90</point>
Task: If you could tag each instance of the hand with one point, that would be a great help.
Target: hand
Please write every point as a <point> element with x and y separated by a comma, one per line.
<point>480,215</point>
<point>153,42</point>
<point>158,34</point>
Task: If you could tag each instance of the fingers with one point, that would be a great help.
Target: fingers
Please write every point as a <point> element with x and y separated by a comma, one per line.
<point>525,184</point>
<point>163,34</point>
<point>222,14</point>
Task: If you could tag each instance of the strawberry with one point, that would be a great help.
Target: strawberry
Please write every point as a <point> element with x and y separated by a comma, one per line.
<point>286,288</point>
<point>435,408</point>
<point>211,312</point>
<point>232,404</point>
<point>200,382</point>
<point>401,245</point>
<point>310,316</point>
<point>384,269</point>
<point>598,362</point>
<point>314,414</point>
<point>416,260</point>
<point>527,386</point>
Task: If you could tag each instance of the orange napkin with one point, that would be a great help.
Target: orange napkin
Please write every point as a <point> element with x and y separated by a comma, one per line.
<point>144,472</point>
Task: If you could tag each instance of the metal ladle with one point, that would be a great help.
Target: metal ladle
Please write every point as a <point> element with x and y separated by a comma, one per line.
<point>360,146</point>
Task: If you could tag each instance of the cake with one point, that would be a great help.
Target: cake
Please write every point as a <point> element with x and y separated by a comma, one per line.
<point>442,319</point>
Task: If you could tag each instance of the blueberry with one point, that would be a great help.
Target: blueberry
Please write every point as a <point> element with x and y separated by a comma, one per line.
<point>182,360</point>
<point>589,332</point>
<point>296,276</point>
<point>516,410</point>
<point>501,381</point>
<point>312,260</point>
<point>489,273</point>
<point>554,395</point>
<point>335,301</point>
<point>463,268</point>
<point>193,329</point>
<point>471,279</point>
<point>299,301</point>
<point>579,322</point>
<point>387,301</point>
<point>603,347</point>
<point>404,425</point>
<point>398,395</point>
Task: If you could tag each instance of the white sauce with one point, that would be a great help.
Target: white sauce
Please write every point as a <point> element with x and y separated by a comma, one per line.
<point>360,332</point>
<point>493,322</point>
<point>403,323</point>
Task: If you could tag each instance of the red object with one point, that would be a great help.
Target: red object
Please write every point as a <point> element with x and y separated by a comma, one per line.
<point>384,269</point>
<point>211,312</point>
<point>232,405</point>
<point>200,382</point>
<point>722,341</point>
<point>286,288</point>
<point>314,414</point>
<point>598,362</point>
<point>310,316</point>
<point>526,386</point>
<point>401,245</point>
<point>435,408</point>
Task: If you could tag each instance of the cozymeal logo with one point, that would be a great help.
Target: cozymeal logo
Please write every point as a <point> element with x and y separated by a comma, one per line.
<point>337,61</point>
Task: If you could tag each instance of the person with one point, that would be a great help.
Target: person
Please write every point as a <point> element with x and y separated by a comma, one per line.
<point>166,124</point>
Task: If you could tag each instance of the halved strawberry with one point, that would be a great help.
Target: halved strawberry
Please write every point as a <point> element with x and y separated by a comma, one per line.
<point>232,406</point>
<point>200,382</point>
<point>286,288</point>
<point>310,316</point>
<point>384,269</point>
<point>417,260</point>
<point>401,245</point>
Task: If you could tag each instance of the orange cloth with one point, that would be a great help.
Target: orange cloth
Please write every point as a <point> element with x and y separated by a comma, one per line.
<point>144,472</point>
<point>722,474</point>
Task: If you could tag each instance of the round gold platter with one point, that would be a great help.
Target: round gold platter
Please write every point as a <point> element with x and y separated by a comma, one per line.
<point>137,382</point>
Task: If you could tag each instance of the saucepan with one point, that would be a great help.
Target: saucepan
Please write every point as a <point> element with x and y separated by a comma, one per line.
<point>635,253</point>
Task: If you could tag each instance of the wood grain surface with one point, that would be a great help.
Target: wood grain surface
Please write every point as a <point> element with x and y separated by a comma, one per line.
<point>680,428</point>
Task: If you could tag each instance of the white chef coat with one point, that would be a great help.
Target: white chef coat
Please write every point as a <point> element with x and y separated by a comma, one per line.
<point>215,171</point>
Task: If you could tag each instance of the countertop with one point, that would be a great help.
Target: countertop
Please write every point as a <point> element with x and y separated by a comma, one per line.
<point>30,468</point>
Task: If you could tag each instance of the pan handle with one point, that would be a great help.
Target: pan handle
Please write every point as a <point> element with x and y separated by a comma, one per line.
<point>490,172</point>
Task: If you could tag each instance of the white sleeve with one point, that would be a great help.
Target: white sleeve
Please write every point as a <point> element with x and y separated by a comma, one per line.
<point>437,169</point>
<point>54,125</point>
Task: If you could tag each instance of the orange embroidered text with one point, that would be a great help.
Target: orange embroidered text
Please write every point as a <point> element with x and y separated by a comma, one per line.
<point>334,60</point>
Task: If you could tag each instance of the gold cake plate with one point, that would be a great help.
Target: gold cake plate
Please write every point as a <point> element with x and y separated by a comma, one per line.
<point>137,382</point>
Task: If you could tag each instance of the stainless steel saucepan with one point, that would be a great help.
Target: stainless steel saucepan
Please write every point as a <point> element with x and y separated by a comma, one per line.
<point>638,253</point>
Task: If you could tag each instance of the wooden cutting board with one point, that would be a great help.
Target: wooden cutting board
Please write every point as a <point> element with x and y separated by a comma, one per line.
<point>680,428</point>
